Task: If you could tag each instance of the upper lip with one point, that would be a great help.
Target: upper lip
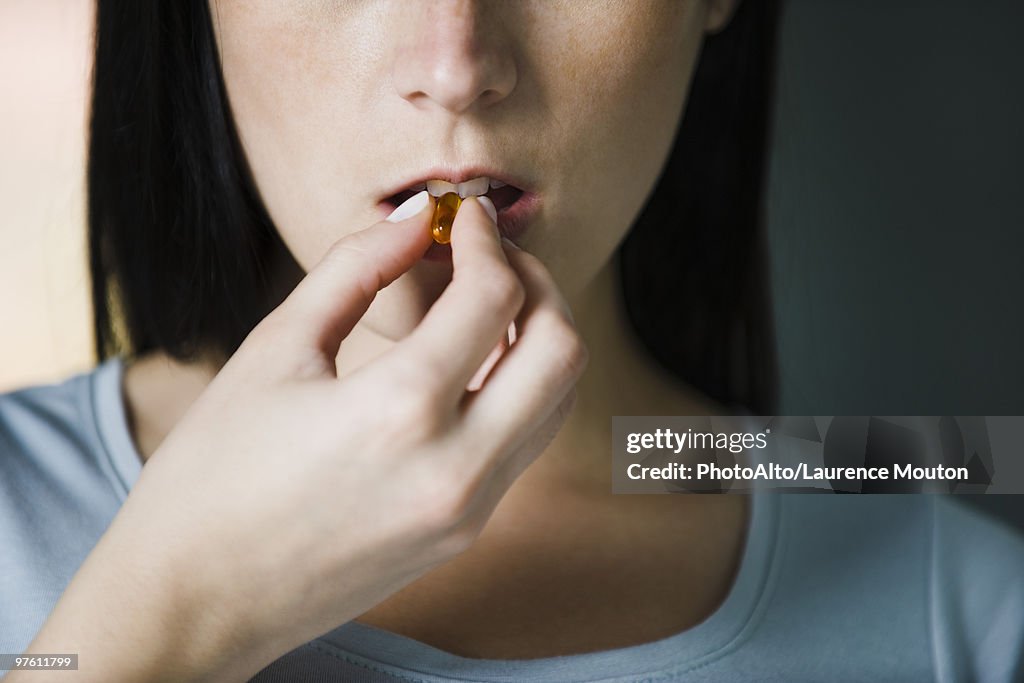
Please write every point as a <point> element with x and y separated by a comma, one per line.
<point>456,176</point>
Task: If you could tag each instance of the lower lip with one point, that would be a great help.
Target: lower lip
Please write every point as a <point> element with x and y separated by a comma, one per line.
<point>513,222</point>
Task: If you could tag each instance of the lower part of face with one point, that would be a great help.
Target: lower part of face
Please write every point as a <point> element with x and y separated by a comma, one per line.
<point>338,103</point>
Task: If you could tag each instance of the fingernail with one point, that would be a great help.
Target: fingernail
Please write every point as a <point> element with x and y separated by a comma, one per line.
<point>489,208</point>
<point>511,243</point>
<point>410,207</point>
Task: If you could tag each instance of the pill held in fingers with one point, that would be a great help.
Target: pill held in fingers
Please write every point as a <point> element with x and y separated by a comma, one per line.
<point>449,197</point>
<point>445,208</point>
<point>508,206</point>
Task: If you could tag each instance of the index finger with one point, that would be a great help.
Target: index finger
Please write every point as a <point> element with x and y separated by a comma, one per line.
<point>332,297</point>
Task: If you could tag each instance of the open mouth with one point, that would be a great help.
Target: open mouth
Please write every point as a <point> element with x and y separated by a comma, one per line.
<point>502,194</point>
<point>517,208</point>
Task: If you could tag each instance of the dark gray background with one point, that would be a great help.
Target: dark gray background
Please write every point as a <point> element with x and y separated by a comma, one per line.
<point>896,218</point>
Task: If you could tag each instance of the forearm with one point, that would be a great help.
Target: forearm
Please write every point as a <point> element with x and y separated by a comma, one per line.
<point>136,611</point>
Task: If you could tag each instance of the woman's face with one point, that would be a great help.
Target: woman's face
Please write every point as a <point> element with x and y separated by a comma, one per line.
<point>340,104</point>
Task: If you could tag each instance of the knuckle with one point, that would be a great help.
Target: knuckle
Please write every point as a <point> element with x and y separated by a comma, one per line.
<point>460,534</point>
<point>567,345</point>
<point>350,260</point>
<point>347,248</point>
<point>502,289</point>
<point>447,503</point>
<point>412,408</point>
<point>410,402</point>
<point>416,415</point>
<point>460,539</point>
<point>402,384</point>
<point>422,376</point>
<point>407,374</point>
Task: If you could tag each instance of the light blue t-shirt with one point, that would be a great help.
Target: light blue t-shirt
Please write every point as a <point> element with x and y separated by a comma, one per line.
<point>830,588</point>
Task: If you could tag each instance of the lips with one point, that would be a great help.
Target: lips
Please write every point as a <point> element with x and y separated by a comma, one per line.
<point>501,193</point>
<point>503,197</point>
<point>516,204</point>
<point>458,176</point>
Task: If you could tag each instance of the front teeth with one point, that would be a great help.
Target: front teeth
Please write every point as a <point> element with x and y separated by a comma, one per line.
<point>474,187</point>
<point>440,187</point>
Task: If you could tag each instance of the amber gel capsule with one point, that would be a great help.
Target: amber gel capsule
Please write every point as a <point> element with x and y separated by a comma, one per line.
<point>445,208</point>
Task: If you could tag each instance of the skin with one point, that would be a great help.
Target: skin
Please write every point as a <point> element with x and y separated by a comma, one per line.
<point>335,104</point>
<point>490,82</point>
<point>454,82</point>
<point>580,99</point>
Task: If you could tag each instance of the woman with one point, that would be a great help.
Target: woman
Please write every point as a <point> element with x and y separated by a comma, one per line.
<point>414,485</point>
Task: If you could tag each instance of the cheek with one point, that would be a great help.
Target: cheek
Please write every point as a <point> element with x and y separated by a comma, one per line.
<point>292,109</point>
<point>626,92</point>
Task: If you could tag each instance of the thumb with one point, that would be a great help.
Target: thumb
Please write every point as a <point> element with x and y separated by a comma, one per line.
<point>321,311</point>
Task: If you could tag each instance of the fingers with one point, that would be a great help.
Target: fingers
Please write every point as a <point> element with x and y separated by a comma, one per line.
<point>474,311</point>
<point>492,358</point>
<point>335,294</point>
<point>536,373</point>
<point>526,399</point>
<point>499,477</point>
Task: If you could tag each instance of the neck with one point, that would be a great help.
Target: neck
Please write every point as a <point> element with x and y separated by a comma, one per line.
<point>621,379</point>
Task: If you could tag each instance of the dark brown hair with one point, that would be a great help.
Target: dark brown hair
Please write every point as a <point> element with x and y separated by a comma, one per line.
<point>181,246</point>
<point>695,264</point>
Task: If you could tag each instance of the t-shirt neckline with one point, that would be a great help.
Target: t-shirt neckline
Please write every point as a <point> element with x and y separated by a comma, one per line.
<point>711,639</point>
<point>383,650</point>
<point>111,419</point>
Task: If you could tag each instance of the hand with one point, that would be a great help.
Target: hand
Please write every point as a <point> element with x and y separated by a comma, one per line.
<point>288,501</point>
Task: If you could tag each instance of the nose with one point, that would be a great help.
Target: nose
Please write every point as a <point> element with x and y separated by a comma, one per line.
<point>453,55</point>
